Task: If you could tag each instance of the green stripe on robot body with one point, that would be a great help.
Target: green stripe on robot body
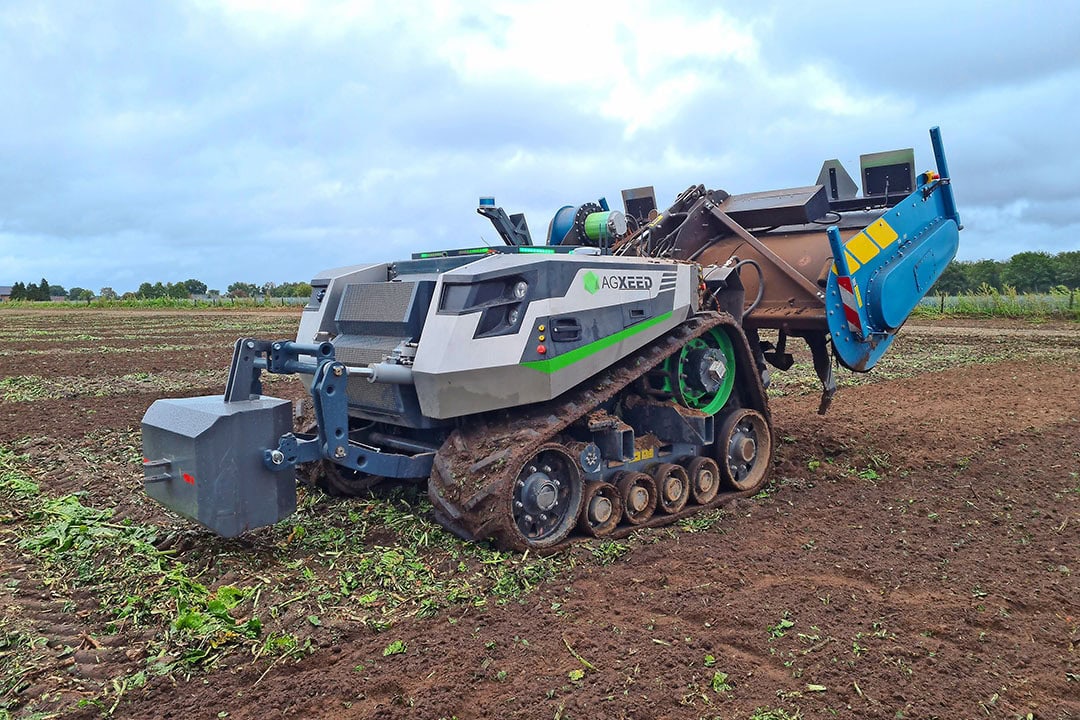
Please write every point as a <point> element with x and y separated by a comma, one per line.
<point>567,359</point>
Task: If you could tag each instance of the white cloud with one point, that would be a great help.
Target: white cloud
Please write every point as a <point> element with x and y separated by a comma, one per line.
<point>268,140</point>
<point>633,62</point>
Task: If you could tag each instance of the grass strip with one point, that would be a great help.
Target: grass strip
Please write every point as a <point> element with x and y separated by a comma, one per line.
<point>989,302</point>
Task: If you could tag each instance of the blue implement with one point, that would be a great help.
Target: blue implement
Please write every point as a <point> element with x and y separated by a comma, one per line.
<point>880,274</point>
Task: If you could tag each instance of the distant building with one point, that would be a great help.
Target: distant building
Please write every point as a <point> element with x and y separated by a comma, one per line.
<point>5,293</point>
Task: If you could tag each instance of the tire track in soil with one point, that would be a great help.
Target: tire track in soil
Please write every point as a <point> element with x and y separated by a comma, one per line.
<point>78,657</point>
<point>65,436</point>
<point>71,417</point>
<point>64,419</point>
<point>103,362</point>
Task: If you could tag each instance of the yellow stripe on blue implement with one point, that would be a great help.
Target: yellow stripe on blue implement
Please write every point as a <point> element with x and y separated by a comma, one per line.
<point>881,233</point>
<point>862,247</point>
<point>852,264</point>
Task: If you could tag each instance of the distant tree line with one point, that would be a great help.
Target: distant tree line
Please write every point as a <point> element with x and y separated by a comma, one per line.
<point>37,291</point>
<point>269,289</point>
<point>189,288</point>
<point>149,291</point>
<point>1026,272</point>
<point>178,290</point>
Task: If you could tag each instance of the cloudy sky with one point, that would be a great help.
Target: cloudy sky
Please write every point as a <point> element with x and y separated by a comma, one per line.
<point>263,140</point>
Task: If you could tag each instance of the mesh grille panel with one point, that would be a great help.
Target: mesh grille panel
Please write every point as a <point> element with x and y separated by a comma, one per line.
<point>375,307</point>
<point>362,351</point>
<point>354,350</point>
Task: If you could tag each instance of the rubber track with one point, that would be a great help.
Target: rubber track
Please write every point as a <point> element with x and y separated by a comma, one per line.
<point>473,474</point>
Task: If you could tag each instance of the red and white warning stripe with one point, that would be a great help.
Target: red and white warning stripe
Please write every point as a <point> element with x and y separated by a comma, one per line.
<point>851,310</point>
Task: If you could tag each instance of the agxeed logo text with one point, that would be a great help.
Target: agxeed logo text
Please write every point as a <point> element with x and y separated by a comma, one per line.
<point>593,283</point>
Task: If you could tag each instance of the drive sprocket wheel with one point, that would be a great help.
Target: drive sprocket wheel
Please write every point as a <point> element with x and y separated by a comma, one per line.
<point>744,446</point>
<point>704,479</point>
<point>546,498</point>
<point>700,376</point>
<point>638,492</point>
<point>672,487</point>
<point>601,509</point>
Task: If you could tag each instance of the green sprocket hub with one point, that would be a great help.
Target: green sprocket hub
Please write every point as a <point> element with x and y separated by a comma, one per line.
<point>702,374</point>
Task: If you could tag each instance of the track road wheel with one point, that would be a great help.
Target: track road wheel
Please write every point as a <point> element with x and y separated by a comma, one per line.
<point>638,492</point>
<point>744,445</point>
<point>546,498</point>
<point>344,482</point>
<point>704,479</point>
<point>601,509</point>
<point>672,487</point>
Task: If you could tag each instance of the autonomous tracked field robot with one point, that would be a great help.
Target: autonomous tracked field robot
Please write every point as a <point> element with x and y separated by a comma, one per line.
<point>609,379</point>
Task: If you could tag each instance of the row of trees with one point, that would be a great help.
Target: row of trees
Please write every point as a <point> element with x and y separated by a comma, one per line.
<point>1035,272</point>
<point>192,287</point>
<point>150,291</point>
<point>242,289</point>
<point>179,290</point>
<point>37,291</point>
<point>1027,272</point>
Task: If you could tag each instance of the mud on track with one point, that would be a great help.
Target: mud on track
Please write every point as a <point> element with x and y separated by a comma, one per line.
<point>915,556</point>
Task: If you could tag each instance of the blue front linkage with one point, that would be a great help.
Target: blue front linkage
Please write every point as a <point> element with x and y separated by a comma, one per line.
<point>329,394</point>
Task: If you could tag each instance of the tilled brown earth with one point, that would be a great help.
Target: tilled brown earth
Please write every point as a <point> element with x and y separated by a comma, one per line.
<point>915,556</point>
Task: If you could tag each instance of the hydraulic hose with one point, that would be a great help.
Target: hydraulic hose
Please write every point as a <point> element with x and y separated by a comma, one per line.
<point>760,287</point>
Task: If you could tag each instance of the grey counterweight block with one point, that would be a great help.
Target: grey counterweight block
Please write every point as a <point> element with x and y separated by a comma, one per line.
<point>204,460</point>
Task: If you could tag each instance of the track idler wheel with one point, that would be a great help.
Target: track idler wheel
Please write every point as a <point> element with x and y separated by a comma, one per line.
<point>601,509</point>
<point>672,487</point>
<point>638,493</point>
<point>546,498</point>
<point>341,481</point>
<point>744,446</point>
<point>704,476</point>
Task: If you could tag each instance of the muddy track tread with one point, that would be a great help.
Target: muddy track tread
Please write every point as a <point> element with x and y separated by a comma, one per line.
<point>472,476</point>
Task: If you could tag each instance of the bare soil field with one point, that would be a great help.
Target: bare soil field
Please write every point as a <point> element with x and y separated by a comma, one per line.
<point>916,555</point>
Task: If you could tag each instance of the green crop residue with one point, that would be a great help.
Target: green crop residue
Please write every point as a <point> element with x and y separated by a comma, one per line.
<point>22,388</point>
<point>330,567</point>
<point>567,359</point>
<point>73,544</point>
